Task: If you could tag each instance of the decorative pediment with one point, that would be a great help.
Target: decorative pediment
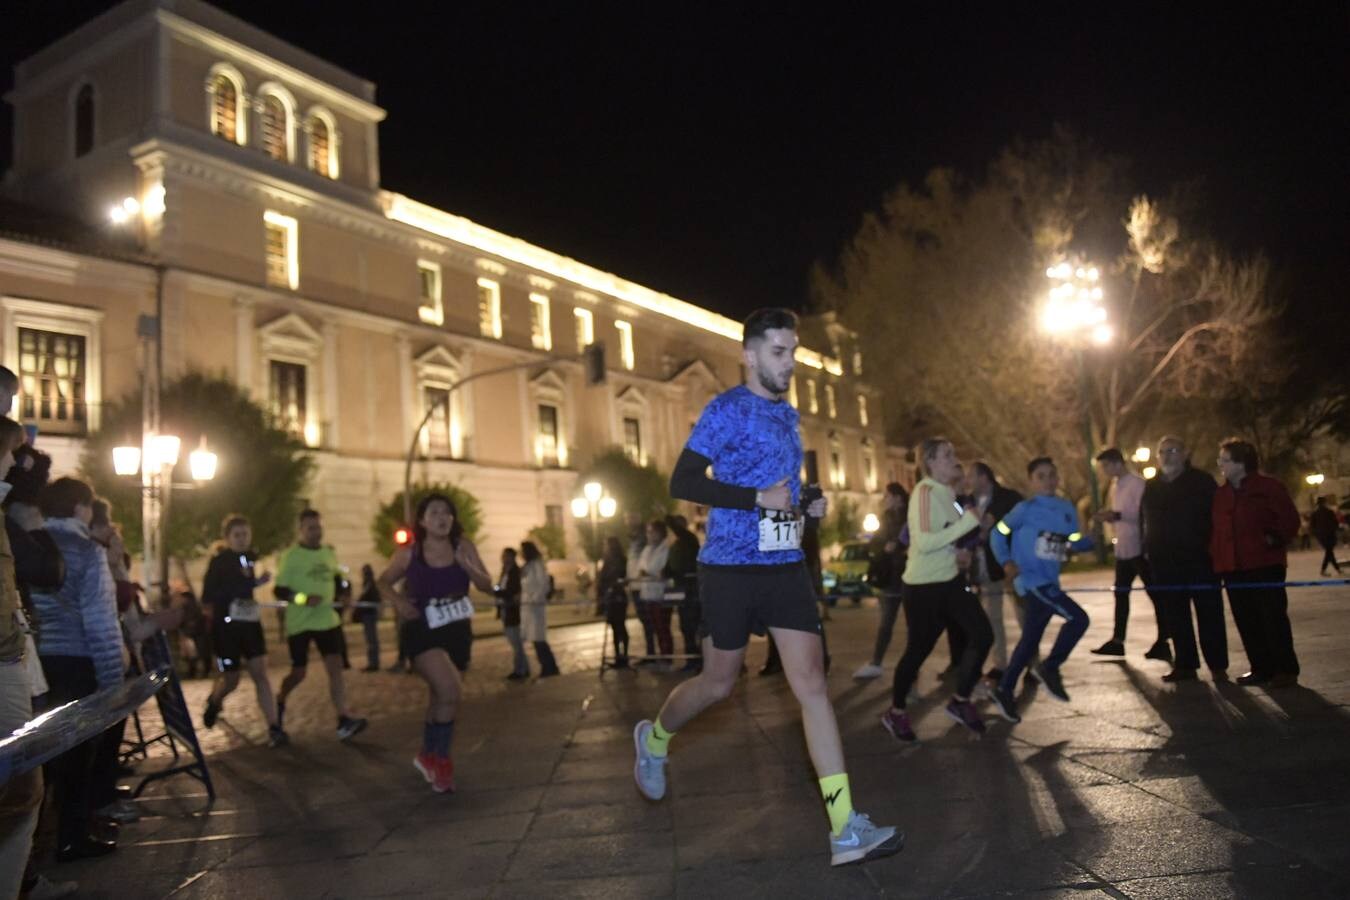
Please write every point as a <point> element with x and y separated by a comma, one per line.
<point>438,363</point>
<point>696,371</point>
<point>549,382</point>
<point>291,335</point>
<point>632,397</point>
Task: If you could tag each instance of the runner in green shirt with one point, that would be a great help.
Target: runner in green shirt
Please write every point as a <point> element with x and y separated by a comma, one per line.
<point>306,579</point>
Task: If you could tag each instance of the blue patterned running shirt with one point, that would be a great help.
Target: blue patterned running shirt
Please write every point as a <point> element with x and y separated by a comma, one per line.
<point>752,442</point>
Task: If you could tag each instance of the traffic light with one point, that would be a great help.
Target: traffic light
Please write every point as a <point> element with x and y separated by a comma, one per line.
<point>402,536</point>
<point>594,359</point>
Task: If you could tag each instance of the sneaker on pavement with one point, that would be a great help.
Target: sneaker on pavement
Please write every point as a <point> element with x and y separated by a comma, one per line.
<point>1161,651</point>
<point>46,889</point>
<point>1054,685</point>
<point>861,841</point>
<point>1111,648</point>
<point>349,727</point>
<point>276,737</point>
<point>1006,705</point>
<point>984,689</point>
<point>211,713</point>
<point>443,776</point>
<point>649,770</point>
<point>425,763</point>
<point>1176,675</point>
<point>869,670</point>
<point>897,723</point>
<point>964,713</point>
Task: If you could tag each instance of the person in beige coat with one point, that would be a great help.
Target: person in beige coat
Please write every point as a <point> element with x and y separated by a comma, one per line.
<point>534,591</point>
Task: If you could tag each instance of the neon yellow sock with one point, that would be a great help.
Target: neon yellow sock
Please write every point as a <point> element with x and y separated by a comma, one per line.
<point>658,739</point>
<point>838,800</point>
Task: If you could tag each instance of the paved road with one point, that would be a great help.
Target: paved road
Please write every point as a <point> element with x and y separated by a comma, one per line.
<point>1135,789</point>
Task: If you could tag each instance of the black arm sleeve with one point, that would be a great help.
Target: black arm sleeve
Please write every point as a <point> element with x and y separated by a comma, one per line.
<point>690,481</point>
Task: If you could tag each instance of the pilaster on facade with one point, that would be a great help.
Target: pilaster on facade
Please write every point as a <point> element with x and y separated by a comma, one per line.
<point>245,338</point>
<point>331,426</point>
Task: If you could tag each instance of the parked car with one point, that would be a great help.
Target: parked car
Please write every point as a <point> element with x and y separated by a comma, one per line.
<point>845,574</point>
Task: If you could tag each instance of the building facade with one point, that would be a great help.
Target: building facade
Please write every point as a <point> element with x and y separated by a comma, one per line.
<point>248,173</point>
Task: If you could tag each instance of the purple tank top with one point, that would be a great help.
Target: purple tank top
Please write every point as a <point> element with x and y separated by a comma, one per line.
<point>424,583</point>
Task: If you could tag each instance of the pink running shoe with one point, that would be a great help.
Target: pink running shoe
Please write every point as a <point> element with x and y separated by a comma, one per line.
<point>898,725</point>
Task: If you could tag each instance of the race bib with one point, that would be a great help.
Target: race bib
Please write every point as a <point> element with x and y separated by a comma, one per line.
<point>1052,546</point>
<point>779,530</point>
<point>444,610</point>
<point>244,611</point>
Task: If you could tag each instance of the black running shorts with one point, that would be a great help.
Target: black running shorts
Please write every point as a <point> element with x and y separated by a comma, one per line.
<point>455,638</point>
<point>236,643</point>
<point>329,643</point>
<point>740,600</point>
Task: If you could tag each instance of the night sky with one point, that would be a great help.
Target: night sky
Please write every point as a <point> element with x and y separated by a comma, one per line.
<point>716,153</point>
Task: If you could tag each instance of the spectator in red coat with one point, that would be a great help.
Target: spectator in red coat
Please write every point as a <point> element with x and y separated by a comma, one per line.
<point>1254,520</point>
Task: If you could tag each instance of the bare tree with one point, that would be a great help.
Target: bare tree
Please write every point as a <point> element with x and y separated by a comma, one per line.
<point>944,284</point>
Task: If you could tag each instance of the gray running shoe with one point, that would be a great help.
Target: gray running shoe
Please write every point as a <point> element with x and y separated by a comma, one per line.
<point>649,770</point>
<point>861,841</point>
<point>350,727</point>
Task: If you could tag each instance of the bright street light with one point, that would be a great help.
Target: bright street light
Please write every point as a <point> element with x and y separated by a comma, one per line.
<point>580,507</point>
<point>1149,471</point>
<point>1316,479</point>
<point>608,507</point>
<point>592,491</point>
<point>1074,304</point>
<point>1142,454</point>
<point>202,462</point>
<point>871,523</point>
<point>162,450</point>
<point>126,460</point>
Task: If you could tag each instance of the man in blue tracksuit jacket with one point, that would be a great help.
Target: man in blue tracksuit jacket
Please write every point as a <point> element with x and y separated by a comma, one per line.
<point>1031,542</point>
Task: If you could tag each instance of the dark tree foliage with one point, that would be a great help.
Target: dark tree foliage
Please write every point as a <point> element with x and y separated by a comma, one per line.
<point>262,469</point>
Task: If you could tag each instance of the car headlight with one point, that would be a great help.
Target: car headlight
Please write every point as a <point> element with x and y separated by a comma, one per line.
<point>829,579</point>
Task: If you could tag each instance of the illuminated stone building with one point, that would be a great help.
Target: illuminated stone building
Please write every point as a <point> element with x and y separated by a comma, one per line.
<point>249,170</point>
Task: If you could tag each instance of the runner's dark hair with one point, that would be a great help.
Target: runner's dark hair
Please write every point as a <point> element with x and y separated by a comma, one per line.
<point>767,319</point>
<point>420,532</point>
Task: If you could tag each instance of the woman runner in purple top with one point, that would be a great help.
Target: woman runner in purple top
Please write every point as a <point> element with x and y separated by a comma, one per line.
<point>436,570</point>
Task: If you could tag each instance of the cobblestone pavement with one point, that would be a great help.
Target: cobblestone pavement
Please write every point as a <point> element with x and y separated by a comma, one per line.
<point>1135,789</point>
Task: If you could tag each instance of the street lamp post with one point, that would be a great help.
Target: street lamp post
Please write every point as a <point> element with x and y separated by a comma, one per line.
<point>155,459</point>
<point>1074,312</point>
<point>593,503</point>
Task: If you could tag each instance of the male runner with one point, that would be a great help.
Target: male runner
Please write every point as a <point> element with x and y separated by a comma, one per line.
<point>752,575</point>
<point>307,579</point>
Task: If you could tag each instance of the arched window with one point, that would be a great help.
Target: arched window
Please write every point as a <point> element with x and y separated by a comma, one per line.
<point>318,145</point>
<point>322,154</point>
<point>225,106</point>
<point>274,127</point>
<point>84,120</point>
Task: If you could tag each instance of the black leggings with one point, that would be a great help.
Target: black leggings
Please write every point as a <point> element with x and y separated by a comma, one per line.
<point>929,608</point>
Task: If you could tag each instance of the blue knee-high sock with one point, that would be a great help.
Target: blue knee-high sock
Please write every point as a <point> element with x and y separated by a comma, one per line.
<point>444,732</point>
